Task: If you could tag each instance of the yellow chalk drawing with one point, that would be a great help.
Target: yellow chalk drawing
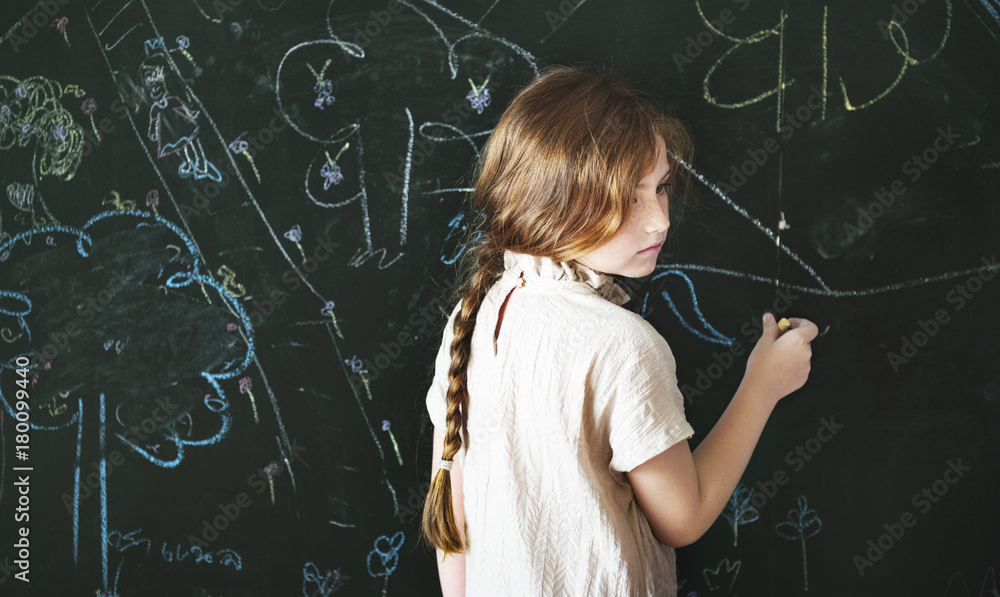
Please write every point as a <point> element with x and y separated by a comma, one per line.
<point>115,199</point>
<point>895,33</point>
<point>319,75</point>
<point>364,379</point>
<point>328,310</point>
<point>75,90</point>
<point>29,219</point>
<point>249,158</point>
<point>246,384</point>
<point>386,428</point>
<point>183,43</point>
<point>944,38</point>
<point>53,408</point>
<point>333,162</point>
<point>30,112</point>
<point>902,71</point>
<point>740,42</point>
<point>241,146</point>
<point>478,90</point>
<point>205,292</point>
<point>89,106</point>
<point>907,59</point>
<point>229,281</point>
<point>198,6</point>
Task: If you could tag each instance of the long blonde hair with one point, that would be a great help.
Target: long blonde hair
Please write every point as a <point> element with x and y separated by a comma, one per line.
<point>556,179</point>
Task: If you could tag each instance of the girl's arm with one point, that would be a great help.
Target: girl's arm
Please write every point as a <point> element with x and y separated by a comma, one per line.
<point>451,569</point>
<point>682,494</point>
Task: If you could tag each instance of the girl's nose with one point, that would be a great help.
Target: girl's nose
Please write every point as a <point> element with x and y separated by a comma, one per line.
<point>657,217</point>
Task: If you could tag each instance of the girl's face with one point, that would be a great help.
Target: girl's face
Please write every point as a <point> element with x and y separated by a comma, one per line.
<point>632,251</point>
<point>152,80</point>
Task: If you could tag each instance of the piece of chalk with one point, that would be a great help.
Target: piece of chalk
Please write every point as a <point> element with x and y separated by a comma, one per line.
<point>783,325</point>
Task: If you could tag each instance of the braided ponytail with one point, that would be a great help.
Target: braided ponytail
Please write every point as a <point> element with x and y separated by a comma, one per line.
<point>483,265</point>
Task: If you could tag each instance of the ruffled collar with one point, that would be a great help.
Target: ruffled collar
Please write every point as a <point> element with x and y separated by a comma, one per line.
<point>546,269</point>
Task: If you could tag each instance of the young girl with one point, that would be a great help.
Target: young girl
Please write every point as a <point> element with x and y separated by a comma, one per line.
<point>560,456</point>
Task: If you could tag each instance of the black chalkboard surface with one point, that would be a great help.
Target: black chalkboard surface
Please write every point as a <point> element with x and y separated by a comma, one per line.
<point>227,228</point>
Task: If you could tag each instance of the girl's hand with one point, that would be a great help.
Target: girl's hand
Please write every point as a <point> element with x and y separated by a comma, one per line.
<point>780,363</point>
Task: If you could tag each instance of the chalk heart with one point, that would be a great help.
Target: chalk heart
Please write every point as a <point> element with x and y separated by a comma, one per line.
<point>324,583</point>
<point>385,549</point>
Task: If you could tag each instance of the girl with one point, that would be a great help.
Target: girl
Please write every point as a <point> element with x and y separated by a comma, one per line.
<point>173,126</point>
<point>561,465</point>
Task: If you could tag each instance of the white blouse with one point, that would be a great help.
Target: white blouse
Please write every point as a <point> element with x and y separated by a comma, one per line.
<point>575,391</point>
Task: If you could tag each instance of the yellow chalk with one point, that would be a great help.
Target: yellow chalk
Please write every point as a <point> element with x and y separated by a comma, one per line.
<point>783,325</point>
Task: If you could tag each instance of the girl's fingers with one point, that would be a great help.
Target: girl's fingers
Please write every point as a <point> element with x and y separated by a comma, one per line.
<point>807,327</point>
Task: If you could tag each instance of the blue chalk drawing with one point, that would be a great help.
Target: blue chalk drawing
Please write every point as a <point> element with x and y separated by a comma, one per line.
<point>992,10</point>
<point>104,495</point>
<point>457,228</point>
<point>739,511</point>
<point>217,404</point>
<point>19,314</point>
<point>223,557</point>
<point>121,543</point>
<point>802,523</point>
<point>153,45</point>
<point>385,556</point>
<point>326,584</point>
<point>707,332</point>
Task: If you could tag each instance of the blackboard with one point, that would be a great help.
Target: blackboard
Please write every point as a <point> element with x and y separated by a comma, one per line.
<point>228,230</point>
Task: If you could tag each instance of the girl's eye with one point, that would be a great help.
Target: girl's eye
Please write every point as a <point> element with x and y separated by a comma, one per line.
<point>660,190</point>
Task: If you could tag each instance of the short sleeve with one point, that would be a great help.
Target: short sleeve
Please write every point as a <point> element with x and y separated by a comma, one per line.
<point>646,407</point>
<point>436,406</point>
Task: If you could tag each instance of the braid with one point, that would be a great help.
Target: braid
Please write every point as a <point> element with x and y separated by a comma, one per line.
<point>438,525</point>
